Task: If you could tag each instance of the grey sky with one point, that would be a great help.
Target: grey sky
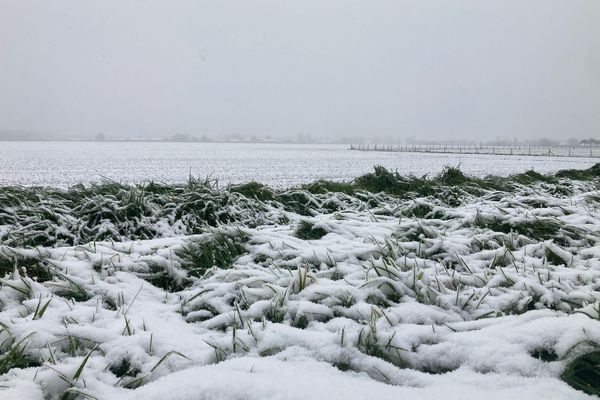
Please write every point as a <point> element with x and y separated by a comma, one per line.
<point>421,68</point>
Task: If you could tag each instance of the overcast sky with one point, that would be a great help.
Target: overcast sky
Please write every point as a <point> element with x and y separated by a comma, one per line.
<point>423,68</point>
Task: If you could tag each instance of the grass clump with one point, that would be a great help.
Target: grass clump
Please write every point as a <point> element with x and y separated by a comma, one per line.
<point>218,250</point>
<point>323,187</point>
<point>15,357</point>
<point>164,277</point>
<point>537,229</point>
<point>297,201</point>
<point>73,292</point>
<point>583,373</point>
<point>307,231</point>
<point>545,354</point>
<point>368,343</point>
<point>382,180</point>
<point>453,176</point>
<point>34,267</point>
<point>275,315</point>
<point>124,368</point>
<point>253,190</point>
<point>531,176</point>
<point>554,258</point>
<point>418,210</point>
<point>579,174</point>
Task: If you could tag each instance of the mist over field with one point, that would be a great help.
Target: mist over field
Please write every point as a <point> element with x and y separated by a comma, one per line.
<point>319,70</point>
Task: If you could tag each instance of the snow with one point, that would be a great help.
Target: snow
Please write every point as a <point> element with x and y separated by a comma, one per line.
<point>298,378</point>
<point>276,165</point>
<point>385,305</point>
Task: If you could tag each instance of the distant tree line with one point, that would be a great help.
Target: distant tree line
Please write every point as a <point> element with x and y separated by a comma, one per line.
<point>591,142</point>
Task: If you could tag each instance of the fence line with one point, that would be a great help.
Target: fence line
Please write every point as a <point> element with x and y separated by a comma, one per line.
<point>548,151</point>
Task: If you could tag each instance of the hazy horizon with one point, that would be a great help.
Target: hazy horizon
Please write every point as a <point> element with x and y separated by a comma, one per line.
<point>433,70</point>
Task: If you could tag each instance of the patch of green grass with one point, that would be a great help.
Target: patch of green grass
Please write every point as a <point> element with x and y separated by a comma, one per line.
<point>583,373</point>
<point>343,366</point>
<point>297,201</point>
<point>34,267</point>
<point>215,250</point>
<point>275,315</point>
<point>553,258</point>
<point>300,322</point>
<point>538,229</point>
<point>496,183</point>
<point>261,258</point>
<point>324,187</point>
<point>437,369</point>
<point>156,188</point>
<point>124,368</point>
<point>139,381</point>
<point>115,211</point>
<point>164,277</point>
<point>307,231</point>
<point>452,176</point>
<point>531,176</point>
<point>72,292</point>
<point>253,190</point>
<point>545,354</point>
<point>382,180</point>
<point>416,232</point>
<point>418,210</point>
<point>535,202</point>
<point>68,288</point>
<point>579,174</point>
<point>15,357</point>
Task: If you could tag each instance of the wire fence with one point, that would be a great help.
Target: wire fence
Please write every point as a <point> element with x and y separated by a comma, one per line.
<point>547,151</point>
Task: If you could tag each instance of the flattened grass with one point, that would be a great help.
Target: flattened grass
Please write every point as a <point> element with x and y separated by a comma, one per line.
<point>115,211</point>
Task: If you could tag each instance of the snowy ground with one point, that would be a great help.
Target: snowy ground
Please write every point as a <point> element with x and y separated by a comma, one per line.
<point>382,296</point>
<point>276,165</point>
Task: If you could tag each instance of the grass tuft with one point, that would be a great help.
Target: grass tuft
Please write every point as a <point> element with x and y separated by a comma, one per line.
<point>218,249</point>
<point>34,267</point>
<point>307,231</point>
<point>253,190</point>
<point>15,357</point>
<point>583,373</point>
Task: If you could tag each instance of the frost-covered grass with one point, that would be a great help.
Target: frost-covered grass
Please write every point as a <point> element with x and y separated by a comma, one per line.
<point>386,286</point>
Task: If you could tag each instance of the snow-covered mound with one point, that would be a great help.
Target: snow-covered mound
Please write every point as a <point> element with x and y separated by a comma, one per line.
<point>448,287</point>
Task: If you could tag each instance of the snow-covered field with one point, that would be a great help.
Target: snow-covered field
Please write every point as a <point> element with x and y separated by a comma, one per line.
<point>277,165</point>
<point>450,288</point>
